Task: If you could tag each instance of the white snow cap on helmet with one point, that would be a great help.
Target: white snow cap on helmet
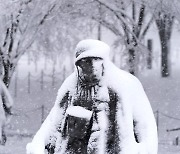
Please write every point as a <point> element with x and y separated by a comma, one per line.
<point>92,48</point>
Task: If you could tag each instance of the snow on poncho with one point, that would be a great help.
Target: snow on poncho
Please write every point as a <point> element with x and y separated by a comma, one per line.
<point>124,122</point>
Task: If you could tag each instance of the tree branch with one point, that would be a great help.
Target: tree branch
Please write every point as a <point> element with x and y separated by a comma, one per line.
<point>140,20</point>
<point>146,28</point>
<point>108,25</point>
<point>41,22</point>
<point>122,12</point>
<point>133,11</point>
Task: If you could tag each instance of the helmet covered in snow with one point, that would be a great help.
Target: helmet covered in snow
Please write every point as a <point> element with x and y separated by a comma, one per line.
<point>92,48</point>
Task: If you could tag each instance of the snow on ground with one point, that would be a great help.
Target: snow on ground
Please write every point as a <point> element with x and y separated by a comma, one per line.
<point>168,149</point>
<point>15,145</point>
<point>163,94</point>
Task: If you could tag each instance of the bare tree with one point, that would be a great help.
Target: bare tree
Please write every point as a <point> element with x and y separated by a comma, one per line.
<point>164,18</point>
<point>164,23</point>
<point>165,13</point>
<point>20,23</point>
<point>127,19</point>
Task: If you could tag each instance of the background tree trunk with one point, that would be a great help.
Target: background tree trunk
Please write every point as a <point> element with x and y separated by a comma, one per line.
<point>164,24</point>
<point>132,64</point>
<point>6,80</point>
<point>165,47</point>
<point>149,56</point>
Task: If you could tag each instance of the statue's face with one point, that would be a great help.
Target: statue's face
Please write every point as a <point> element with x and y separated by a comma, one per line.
<point>91,68</point>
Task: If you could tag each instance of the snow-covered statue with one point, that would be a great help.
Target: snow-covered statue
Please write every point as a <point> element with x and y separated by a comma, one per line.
<point>100,109</point>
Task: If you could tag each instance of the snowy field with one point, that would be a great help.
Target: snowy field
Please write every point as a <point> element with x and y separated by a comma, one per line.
<point>163,94</point>
<point>15,145</point>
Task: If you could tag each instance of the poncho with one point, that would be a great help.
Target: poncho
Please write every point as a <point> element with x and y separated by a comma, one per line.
<point>111,117</point>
